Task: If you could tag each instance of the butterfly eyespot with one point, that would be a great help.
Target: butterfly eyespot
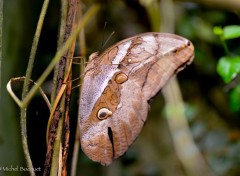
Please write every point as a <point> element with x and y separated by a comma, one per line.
<point>129,60</point>
<point>104,113</point>
<point>121,78</point>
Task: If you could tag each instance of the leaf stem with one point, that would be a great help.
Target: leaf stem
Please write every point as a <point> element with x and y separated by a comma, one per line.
<point>225,46</point>
<point>23,113</point>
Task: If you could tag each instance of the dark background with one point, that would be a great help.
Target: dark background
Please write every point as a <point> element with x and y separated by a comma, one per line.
<point>214,126</point>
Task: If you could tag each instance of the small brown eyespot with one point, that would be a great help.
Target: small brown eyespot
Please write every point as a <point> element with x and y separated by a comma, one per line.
<point>121,78</point>
<point>103,113</point>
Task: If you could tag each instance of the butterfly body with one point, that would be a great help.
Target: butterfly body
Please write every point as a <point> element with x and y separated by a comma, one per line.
<point>117,86</point>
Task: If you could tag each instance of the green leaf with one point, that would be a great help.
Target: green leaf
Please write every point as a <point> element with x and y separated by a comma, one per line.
<point>228,68</point>
<point>235,99</point>
<point>218,30</point>
<point>231,32</point>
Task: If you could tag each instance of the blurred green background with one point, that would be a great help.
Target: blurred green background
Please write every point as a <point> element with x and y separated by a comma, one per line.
<point>214,125</point>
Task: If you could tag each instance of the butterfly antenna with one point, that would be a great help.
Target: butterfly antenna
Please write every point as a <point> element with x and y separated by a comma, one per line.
<point>103,37</point>
<point>103,44</point>
<point>108,39</point>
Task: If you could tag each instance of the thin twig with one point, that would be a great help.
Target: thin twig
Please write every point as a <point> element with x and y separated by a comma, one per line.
<point>86,18</point>
<point>64,10</point>
<point>57,148</point>
<point>82,49</point>
<point>13,95</point>
<point>26,86</point>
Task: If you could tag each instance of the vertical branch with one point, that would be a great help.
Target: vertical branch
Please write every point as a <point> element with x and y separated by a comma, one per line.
<point>68,93</point>
<point>66,132</point>
<point>63,77</point>
<point>34,49</point>
<point>26,85</point>
<point>82,49</point>
<point>63,74</point>
<point>64,10</point>
<point>187,152</point>
<point>58,149</point>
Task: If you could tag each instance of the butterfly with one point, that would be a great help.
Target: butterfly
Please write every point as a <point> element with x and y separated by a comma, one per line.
<point>118,85</point>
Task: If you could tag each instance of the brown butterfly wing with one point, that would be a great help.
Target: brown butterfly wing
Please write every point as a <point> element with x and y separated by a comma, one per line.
<point>120,82</point>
